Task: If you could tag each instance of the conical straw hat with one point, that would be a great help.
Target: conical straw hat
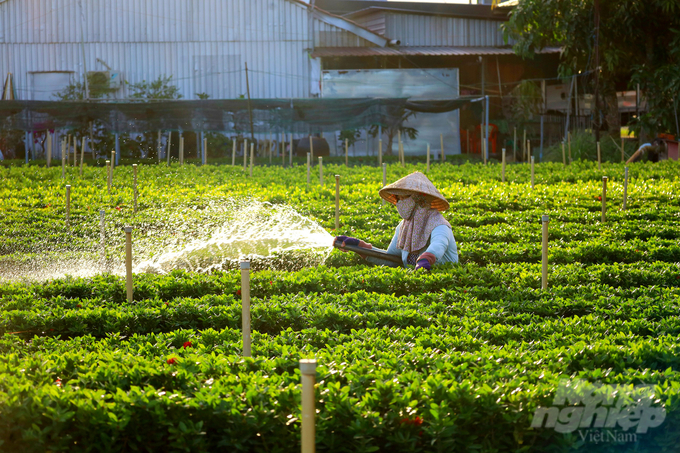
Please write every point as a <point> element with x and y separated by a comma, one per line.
<point>418,183</point>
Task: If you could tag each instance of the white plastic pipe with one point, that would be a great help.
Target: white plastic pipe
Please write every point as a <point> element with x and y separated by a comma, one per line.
<point>308,376</point>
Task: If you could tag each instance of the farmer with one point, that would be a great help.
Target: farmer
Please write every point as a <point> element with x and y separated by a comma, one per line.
<point>424,237</point>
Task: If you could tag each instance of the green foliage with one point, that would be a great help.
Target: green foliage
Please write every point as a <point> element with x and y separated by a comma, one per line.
<point>158,89</point>
<point>456,359</point>
<point>527,100</point>
<point>98,88</point>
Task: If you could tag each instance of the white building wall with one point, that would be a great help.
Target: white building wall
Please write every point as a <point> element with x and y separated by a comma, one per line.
<point>203,44</point>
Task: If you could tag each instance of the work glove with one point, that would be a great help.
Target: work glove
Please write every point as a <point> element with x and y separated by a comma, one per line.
<point>425,261</point>
<point>347,240</point>
<point>423,264</point>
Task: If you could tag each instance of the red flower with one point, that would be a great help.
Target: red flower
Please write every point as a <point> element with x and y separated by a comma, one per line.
<point>238,292</point>
<point>417,421</point>
<point>271,282</point>
<point>58,382</point>
<point>187,344</point>
<point>599,198</point>
<point>172,361</point>
<point>117,208</point>
<point>79,306</point>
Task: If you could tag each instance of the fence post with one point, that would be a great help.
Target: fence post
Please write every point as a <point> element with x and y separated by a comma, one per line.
<point>205,151</point>
<point>545,219</point>
<point>245,307</point>
<point>599,157</point>
<point>337,202</point>
<point>308,435</point>
<point>233,153</point>
<point>625,189</point>
<point>68,204</point>
<point>245,155</point>
<point>428,158</point>
<point>82,156</point>
<point>128,262</point>
<point>311,148</point>
<point>108,175</point>
<point>441,139</point>
<point>49,148</point>
<point>604,199</point>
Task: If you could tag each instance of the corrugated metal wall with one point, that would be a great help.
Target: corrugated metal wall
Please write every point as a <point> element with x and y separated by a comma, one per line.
<point>425,30</point>
<point>203,44</point>
<point>374,22</point>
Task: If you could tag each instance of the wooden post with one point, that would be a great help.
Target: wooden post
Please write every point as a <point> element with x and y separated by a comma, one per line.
<point>384,182</point>
<point>528,150</point>
<point>245,155</point>
<point>625,189</point>
<point>604,199</point>
<point>252,158</point>
<point>484,151</point>
<point>82,156</point>
<point>428,158</point>
<point>49,148</point>
<point>311,148</point>
<point>128,262</point>
<point>245,307</point>
<point>337,202</point>
<point>309,175</point>
<point>564,156</point>
<point>308,434</point>
<point>113,161</point>
<point>599,157</point>
<point>205,151</point>
<point>320,170</point>
<point>380,152</point>
<point>233,153</point>
<point>108,176</point>
<point>346,153</point>
<point>134,187</point>
<point>514,145</point>
<point>75,150</point>
<point>68,203</point>
<point>503,170</point>
<point>545,219</point>
<point>532,172</point>
<point>102,240</point>
<point>441,139</point>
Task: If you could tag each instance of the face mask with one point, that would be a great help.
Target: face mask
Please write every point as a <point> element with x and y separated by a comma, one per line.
<point>406,207</point>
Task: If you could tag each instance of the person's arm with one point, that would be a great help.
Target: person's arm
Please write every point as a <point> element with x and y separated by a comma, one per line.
<point>392,250</point>
<point>439,244</point>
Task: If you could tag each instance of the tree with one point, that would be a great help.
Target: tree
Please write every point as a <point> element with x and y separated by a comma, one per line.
<point>156,90</point>
<point>635,37</point>
<point>394,127</point>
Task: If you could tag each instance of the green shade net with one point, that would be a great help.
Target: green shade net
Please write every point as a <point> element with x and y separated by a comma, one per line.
<point>268,115</point>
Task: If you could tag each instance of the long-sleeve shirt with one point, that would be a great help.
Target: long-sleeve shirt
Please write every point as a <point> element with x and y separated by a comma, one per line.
<point>442,246</point>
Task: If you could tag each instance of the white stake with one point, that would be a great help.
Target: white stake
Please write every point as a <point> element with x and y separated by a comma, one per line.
<point>532,172</point>
<point>113,160</point>
<point>337,202</point>
<point>428,158</point>
<point>134,186</point>
<point>233,153</point>
<point>63,159</point>
<point>245,307</point>
<point>49,148</point>
<point>311,148</point>
<point>441,139</point>
<point>308,435</point>
<point>68,203</point>
<point>625,189</point>
<point>181,149</point>
<point>102,240</point>
<point>252,158</point>
<point>245,155</point>
<point>384,181</point>
<point>604,199</point>
<point>503,170</point>
<point>128,262</point>
<point>320,171</point>
<point>545,219</point>
<point>108,176</point>
<point>82,156</point>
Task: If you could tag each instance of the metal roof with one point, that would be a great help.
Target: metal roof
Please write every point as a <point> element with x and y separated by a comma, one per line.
<point>344,7</point>
<point>428,51</point>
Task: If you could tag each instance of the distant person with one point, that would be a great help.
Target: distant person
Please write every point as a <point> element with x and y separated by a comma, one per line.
<point>648,151</point>
<point>423,238</point>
